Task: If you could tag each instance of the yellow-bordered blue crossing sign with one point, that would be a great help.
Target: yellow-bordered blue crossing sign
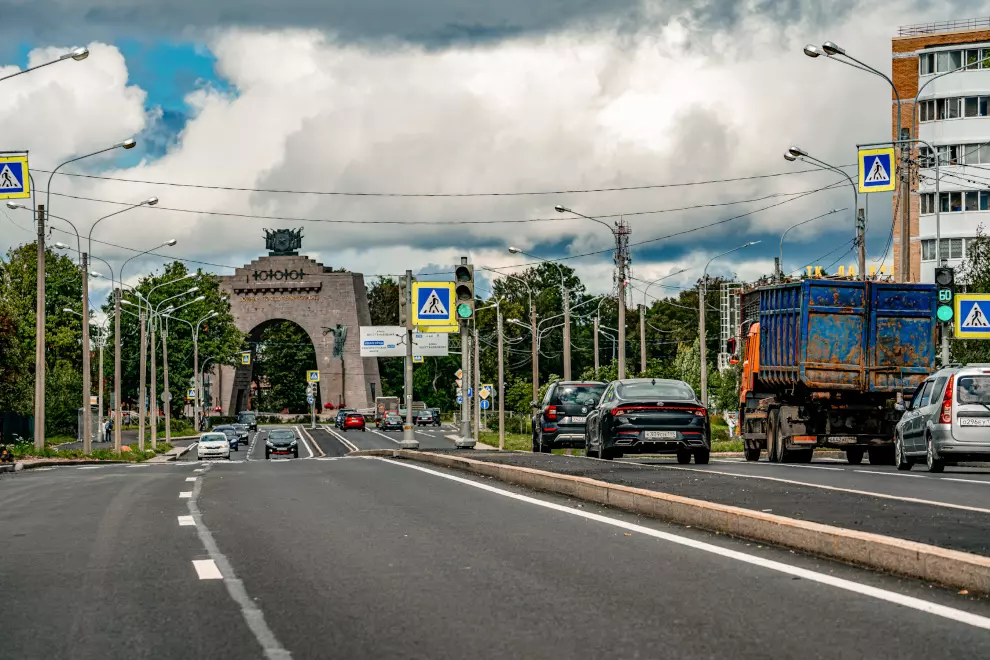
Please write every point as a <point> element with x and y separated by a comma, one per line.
<point>15,180</point>
<point>876,170</point>
<point>433,304</point>
<point>972,321</point>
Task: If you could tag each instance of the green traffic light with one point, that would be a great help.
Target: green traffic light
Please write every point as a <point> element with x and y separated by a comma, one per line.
<point>464,310</point>
<point>944,313</point>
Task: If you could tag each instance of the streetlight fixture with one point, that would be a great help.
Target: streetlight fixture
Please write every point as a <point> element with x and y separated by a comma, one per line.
<point>621,262</point>
<point>701,320</point>
<point>77,54</point>
<point>566,297</point>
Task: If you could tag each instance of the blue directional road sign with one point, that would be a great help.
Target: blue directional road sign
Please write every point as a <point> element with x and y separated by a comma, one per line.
<point>433,304</point>
<point>972,321</point>
<point>485,404</point>
<point>309,400</point>
<point>15,182</point>
<point>876,170</point>
<point>460,399</point>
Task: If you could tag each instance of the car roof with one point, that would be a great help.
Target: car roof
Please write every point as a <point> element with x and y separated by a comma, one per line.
<point>223,427</point>
<point>578,382</point>
<point>210,435</point>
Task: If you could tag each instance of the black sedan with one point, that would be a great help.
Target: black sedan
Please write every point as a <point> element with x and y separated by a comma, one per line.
<point>390,422</point>
<point>232,435</point>
<point>649,416</point>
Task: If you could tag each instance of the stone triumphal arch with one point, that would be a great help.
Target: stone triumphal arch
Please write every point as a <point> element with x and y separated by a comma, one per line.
<point>329,306</point>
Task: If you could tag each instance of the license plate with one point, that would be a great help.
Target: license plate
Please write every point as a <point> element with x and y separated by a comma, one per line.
<point>578,420</point>
<point>661,435</point>
<point>842,440</point>
<point>974,421</point>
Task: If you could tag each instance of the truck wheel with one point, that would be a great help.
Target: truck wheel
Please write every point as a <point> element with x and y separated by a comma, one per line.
<point>772,437</point>
<point>683,456</point>
<point>881,455</point>
<point>752,453</point>
<point>854,455</point>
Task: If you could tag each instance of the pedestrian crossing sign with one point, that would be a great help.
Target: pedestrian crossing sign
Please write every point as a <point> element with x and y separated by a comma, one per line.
<point>433,304</point>
<point>312,376</point>
<point>15,182</point>
<point>876,170</point>
<point>972,321</point>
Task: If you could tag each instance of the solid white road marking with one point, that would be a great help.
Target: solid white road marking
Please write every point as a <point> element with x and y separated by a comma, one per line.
<point>191,478</point>
<point>185,494</point>
<point>91,467</point>
<point>347,443</point>
<point>207,569</point>
<point>305,444</point>
<point>952,613</point>
<point>963,481</point>
<point>893,474</point>
<point>837,488</point>
<point>186,521</point>
<point>199,470</point>
<point>386,437</point>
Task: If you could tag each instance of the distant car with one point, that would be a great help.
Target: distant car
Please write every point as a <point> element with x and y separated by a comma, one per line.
<point>281,441</point>
<point>390,422</point>
<point>339,420</point>
<point>354,420</point>
<point>231,433</point>
<point>558,421</point>
<point>213,445</point>
<point>243,432</point>
<point>423,418</point>
<point>947,421</point>
<point>649,416</point>
<point>249,418</point>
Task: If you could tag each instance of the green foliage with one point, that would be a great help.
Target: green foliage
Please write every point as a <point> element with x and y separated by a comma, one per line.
<point>687,364</point>
<point>282,356</point>
<point>975,275</point>
<point>518,395</point>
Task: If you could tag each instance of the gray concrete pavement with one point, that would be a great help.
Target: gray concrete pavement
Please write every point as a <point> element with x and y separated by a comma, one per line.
<point>367,558</point>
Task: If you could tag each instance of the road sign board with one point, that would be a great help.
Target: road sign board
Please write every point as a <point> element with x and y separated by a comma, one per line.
<point>438,328</point>
<point>972,321</point>
<point>431,344</point>
<point>191,393</point>
<point>876,170</point>
<point>383,341</point>
<point>433,304</point>
<point>485,404</point>
<point>460,399</point>
<point>246,357</point>
<point>470,392</point>
<point>486,391</point>
<point>459,382</point>
<point>312,376</point>
<point>459,374</point>
<point>94,400</point>
<point>417,359</point>
<point>309,400</point>
<point>15,181</point>
<point>166,396</point>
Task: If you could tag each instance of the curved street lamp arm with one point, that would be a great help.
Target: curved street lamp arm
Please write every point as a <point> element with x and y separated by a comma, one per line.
<point>89,238</point>
<point>48,198</point>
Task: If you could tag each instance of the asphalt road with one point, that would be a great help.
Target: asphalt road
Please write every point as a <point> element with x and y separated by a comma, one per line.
<point>369,558</point>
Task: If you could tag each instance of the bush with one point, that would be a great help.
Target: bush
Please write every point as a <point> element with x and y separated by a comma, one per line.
<point>720,434</point>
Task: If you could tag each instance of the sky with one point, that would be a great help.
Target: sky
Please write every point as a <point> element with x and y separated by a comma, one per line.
<point>252,115</point>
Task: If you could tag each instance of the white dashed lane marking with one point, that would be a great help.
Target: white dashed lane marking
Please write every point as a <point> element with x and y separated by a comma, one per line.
<point>207,569</point>
<point>191,478</point>
<point>186,494</point>
<point>186,521</point>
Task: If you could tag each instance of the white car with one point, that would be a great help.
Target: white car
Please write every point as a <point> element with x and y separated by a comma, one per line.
<point>213,445</point>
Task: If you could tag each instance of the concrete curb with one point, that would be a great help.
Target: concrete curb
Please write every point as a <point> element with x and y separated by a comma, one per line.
<point>25,465</point>
<point>909,558</point>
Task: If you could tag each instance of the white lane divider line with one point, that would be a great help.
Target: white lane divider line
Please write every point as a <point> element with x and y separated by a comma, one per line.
<point>350,446</point>
<point>199,470</point>
<point>207,569</point>
<point>186,521</point>
<point>305,444</point>
<point>386,437</point>
<point>963,481</point>
<point>951,613</point>
<point>893,474</point>
<point>191,478</point>
<point>807,467</point>
<point>186,494</point>
<point>91,467</point>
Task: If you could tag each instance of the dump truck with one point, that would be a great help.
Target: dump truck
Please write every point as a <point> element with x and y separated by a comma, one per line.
<point>825,361</point>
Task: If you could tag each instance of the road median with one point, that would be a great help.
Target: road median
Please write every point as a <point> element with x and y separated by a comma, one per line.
<point>909,558</point>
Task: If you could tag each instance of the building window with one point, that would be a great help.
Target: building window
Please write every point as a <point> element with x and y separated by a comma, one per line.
<point>942,60</point>
<point>972,59</point>
<point>986,58</point>
<point>985,200</point>
<point>943,202</point>
<point>983,155</point>
<point>955,248</point>
<point>943,249</point>
<point>972,200</point>
<point>926,110</point>
<point>952,108</point>
<point>927,203</point>
<point>926,64</point>
<point>971,106</point>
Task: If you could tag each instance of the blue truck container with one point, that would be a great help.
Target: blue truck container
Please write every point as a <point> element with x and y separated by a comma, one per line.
<point>825,362</point>
<point>876,337</point>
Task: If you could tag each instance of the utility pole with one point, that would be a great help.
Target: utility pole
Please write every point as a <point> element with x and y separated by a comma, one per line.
<point>904,263</point>
<point>477,384</point>
<point>99,401</point>
<point>596,346</point>
<point>116,372</point>
<point>196,385</point>
<point>142,397</point>
<point>642,338</point>
<point>87,423</point>
<point>861,239</point>
<point>703,343</point>
<point>166,393</point>
<point>567,332</point>
<point>536,350</point>
<point>408,434</point>
<point>500,391</point>
<point>621,258</point>
<point>39,339</point>
<point>153,408</point>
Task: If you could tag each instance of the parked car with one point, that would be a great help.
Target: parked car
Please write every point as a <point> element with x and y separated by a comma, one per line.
<point>232,435</point>
<point>249,418</point>
<point>649,416</point>
<point>435,412</point>
<point>390,422</point>
<point>558,421</point>
<point>243,431</point>
<point>214,444</point>
<point>339,419</point>
<point>354,420</point>
<point>282,441</point>
<point>947,420</point>
<point>423,418</point>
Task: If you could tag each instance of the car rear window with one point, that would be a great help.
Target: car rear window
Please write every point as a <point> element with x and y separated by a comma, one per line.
<point>670,390</point>
<point>354,416</point>
<point>582,395</point>
<point>973,390</point>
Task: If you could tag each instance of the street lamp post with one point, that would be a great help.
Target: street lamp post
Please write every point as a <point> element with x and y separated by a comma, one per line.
<point>565,295</point>
<point>167,393</point>
<point>620,258</point>
<point>701,321</point>
<point>642,318</point>
<point>76,54</point>
<point>780,260</point>
<point>532,321</point>
<point>196,380</point>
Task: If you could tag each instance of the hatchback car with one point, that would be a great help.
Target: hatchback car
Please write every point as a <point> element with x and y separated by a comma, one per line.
<point>558,422</point>
<point>390,422</point>
<point>341,414</point>
<point>213,445</point>
<point>243,430</point>
<point>354,420</point>
<point>281,442</point>
<point>232,435</point>
<point>249,418</point>
<point>947,420</point>
<point>649,416</point>
<point>423,418</point>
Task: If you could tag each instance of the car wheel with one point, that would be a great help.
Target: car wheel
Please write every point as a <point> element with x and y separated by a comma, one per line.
<point>545,448</point>
<point>683,456</point>
<point>295,453</point>
<point>935,464</point>
<point>268,454</point>
<point>854,455</point>
<point>881,455</point>
<point>536,444</point>
<point>752,453</point>
<point>606,453</point>
<point>701,456</point>
<point>900,460</point>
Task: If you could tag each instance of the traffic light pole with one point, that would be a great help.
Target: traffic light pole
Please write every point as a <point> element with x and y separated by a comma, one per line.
<point>465,430</point>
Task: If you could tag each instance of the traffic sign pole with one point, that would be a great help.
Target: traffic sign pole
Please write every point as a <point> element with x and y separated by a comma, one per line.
<point>408,435</point>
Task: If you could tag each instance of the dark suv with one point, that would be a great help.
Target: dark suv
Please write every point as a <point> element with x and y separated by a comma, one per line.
<point>558,421</point>
<point>248,418</point>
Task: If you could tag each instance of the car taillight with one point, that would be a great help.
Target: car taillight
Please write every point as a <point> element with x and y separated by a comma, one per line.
<point>946,416</point>
<point>551,412</point>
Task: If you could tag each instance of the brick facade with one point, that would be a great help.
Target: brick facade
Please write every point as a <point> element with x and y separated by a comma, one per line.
<point>298,289</point>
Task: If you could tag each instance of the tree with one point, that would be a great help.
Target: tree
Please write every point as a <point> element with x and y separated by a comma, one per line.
<point>282,354</point>
<point>687,364</point>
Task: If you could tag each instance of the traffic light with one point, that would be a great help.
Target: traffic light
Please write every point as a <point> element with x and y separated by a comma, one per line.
<point>464,290</point>
<point>945,283</point>
<point>404,317</point>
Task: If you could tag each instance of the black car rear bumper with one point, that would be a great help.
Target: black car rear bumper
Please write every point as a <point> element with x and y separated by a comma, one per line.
<point>640,445</point>
<point>564,439</point>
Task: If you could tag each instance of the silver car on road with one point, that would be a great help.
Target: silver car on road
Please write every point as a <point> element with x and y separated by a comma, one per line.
<point>947,421</point>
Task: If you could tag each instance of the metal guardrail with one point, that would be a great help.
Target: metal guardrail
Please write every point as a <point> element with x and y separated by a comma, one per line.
<point>919,29</point>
